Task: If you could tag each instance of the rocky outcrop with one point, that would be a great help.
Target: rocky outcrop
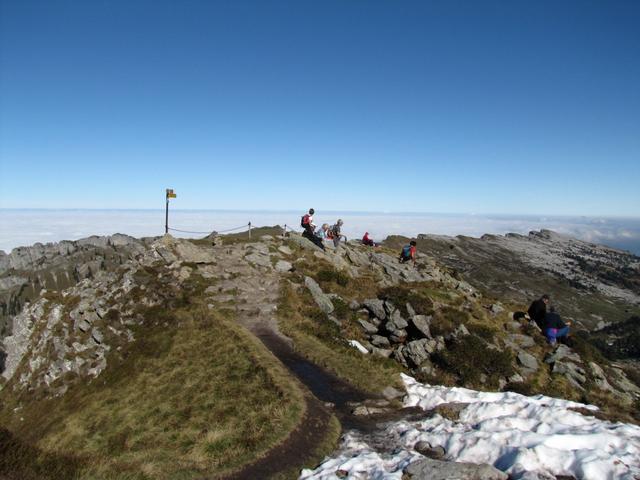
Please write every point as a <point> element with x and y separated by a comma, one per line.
<point>26,271</point>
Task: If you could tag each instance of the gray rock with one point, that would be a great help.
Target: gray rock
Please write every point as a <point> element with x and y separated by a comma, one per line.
<point>398,336</point>
<point>524,341</point>
<point>259,259</point>
<point>391,393</point>
<point>97,335</point>
<point>560,353</point>
<point>83,325</point>
<point>381,352</point>
<point>286,250</point>
<point>461,331</point>
<point>513,326</point>
<point>570,370</point>
<point>527,360</point>
<point>304,243</point>
<point>380,341</point>
<point>398,321</point>
<point>376,307</point>
<point>496,308</point>
<point>320,298</point>
<point>283,266</point>
<point>354,305</point>
<point>410,311</point>
<point>515,378</point>
<point>425,448</point>
<point>418,351</point>
<point>431,469</point>
<point>599,377</point>
<point>368,327</point>
<point>422,322</point>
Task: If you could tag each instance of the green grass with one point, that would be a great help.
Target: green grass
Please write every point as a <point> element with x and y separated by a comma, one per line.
<point>194,395</point>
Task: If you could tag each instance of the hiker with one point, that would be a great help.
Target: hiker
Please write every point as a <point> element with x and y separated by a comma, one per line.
<point>555,329</point>
<point>366,240</point>
<point>306,222</point>
<point>323,233</point>
<point>334,232</point>
<point>408,253</point>
<point>538,310</point>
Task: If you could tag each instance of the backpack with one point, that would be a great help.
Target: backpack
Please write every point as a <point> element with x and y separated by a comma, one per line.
<point>304,221</point>
<point>406,251</point>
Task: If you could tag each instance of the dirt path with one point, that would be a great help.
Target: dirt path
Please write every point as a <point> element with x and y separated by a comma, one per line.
<point>254,291</point>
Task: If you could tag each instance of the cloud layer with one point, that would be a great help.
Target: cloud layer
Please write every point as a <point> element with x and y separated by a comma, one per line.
<point>25,227</point>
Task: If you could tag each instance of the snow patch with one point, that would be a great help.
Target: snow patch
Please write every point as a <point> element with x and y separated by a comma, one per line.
<point>517,434</point>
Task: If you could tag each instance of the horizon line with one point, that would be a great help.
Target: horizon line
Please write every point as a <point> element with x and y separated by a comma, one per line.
<point>357,212</point>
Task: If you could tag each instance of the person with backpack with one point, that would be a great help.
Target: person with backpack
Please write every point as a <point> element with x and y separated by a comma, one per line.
<point>306,222</point>
<point>408,253</point>
<point>555,329</point>
<point>334,232</point>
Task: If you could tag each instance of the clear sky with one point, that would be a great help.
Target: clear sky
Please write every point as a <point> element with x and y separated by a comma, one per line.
<point>451,106</point>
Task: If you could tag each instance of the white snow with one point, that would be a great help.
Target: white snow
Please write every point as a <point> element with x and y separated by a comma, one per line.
<point>517,434</point>
<point>359,346</point>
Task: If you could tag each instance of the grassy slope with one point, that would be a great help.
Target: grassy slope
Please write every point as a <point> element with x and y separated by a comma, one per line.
<point>193,395</point>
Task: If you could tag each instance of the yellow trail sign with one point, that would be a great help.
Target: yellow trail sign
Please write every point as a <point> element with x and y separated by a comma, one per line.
<point>170,193</point>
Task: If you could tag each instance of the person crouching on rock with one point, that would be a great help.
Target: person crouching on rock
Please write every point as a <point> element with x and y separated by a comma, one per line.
<point>408,253</point>
<point>538,310</point>
<point>366,240</point>
<point>555,329</point>
<point>306,222</point>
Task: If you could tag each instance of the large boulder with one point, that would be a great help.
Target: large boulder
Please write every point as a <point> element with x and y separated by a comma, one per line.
<point>431,469</point>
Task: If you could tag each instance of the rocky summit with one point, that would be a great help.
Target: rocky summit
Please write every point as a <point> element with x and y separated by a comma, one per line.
<point>241,357</point>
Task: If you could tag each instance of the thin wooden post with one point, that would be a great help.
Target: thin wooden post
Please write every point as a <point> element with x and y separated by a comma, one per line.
<point>249,230</point>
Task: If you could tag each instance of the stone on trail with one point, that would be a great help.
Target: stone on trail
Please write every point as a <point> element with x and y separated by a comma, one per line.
<point>259,260</point>
<point>283,266</point>
<point>321,299</point>
<point>431,469</point>
<point>285,250</point>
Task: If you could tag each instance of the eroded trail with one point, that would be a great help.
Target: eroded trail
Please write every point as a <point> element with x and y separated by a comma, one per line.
<point>253,291</point>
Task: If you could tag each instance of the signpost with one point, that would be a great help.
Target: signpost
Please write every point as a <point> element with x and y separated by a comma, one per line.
<point>170,194</point>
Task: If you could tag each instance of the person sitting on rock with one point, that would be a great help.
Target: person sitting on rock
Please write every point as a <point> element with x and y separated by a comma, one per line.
<point>334,232</point>
<point>306,222</point>
<point>408,253</point>
<point>366,240</point>
<point>323,233</point>
<point>538,310</point>
<point>555,329</point>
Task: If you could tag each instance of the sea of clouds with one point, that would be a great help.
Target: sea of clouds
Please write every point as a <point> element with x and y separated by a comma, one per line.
<point>23,227</point>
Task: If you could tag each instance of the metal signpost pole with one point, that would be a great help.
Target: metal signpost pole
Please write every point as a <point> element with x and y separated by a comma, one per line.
<point>170,194</point>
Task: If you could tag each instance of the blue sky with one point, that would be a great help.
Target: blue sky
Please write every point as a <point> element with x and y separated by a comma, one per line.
<point>501,107</point>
